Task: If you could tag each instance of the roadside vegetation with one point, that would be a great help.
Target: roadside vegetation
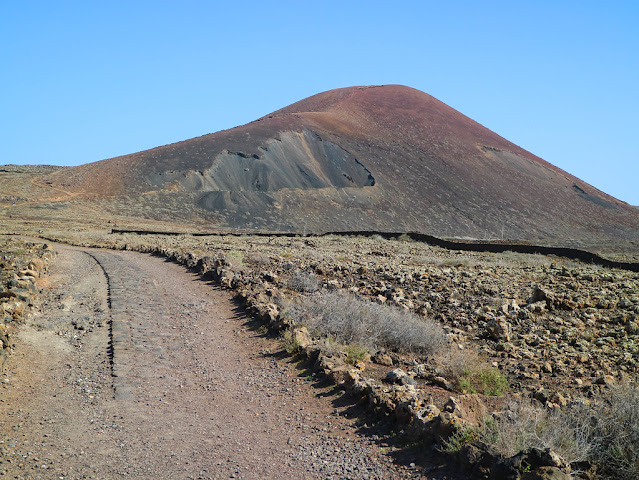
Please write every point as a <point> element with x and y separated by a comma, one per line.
<point>602,436</point>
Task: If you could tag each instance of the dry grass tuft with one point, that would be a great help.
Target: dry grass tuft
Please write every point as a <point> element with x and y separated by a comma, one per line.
<point>471,374</point>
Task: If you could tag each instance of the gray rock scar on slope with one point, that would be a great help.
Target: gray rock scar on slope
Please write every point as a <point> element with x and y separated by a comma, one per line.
<point>294,160</point>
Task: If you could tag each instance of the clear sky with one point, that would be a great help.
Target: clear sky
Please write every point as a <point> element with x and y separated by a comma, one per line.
<point>81,81</point>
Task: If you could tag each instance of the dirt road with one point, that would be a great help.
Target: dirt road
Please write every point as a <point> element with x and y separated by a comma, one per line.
<point>136,368</point>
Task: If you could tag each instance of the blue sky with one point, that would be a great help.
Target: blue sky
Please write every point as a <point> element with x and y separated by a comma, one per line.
<point>86,80</point>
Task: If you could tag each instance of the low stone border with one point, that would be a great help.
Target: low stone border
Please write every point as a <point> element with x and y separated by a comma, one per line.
<point>469,246</point>
<point>18,291</point>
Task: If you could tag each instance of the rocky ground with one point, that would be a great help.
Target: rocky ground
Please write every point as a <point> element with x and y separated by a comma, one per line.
<point>559,331</point>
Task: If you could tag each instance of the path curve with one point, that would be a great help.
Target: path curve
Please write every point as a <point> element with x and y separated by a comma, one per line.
<point>136,368</point>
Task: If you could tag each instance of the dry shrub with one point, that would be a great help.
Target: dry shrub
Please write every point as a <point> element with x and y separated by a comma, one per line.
<point>350,320</point>
<point>526,425</point>
<point>616,433</point>
<point>606,434</point>
<point>454,362</point>
<point>258,260</point>
<point>302,281</point>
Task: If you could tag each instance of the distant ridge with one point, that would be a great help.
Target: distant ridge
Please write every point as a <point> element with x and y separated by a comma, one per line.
<point>360,158</point>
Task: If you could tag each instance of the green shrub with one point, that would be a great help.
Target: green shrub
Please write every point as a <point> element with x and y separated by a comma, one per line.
<point>488,381</point>
<point>289,342</point>
<point>470,374</point>
<point>465,386</point>
<point>454,443</point>
<point>492,382</point>
<point>355,353</point>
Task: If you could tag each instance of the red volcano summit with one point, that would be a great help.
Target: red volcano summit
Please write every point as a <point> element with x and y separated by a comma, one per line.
<point>362,158</point>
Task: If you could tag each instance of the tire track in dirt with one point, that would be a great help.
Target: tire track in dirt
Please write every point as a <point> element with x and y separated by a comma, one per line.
<point>136,311</point>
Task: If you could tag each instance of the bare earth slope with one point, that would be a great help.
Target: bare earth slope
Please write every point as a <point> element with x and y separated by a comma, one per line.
<point>189,392</point>
<point>360,158</point>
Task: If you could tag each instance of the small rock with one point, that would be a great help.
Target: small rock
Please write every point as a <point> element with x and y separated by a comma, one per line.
<point>605,380</point>
<point>399,376</point>
<point>383,358</point>
<point>558,399</point>
<point>442,382</point>
<point>539,295</point>
<point>452,406</point>
<point>498,329</point>
<point>546,473</point>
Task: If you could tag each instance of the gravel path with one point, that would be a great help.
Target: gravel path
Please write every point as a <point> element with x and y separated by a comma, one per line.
<point>136,368</point>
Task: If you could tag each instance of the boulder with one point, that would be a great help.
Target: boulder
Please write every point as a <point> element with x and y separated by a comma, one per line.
<point>532,464</point>
<point>478,458</point>
<point>424,415</point>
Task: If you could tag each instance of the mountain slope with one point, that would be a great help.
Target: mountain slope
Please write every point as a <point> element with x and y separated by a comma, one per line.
<point>360,158</point>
